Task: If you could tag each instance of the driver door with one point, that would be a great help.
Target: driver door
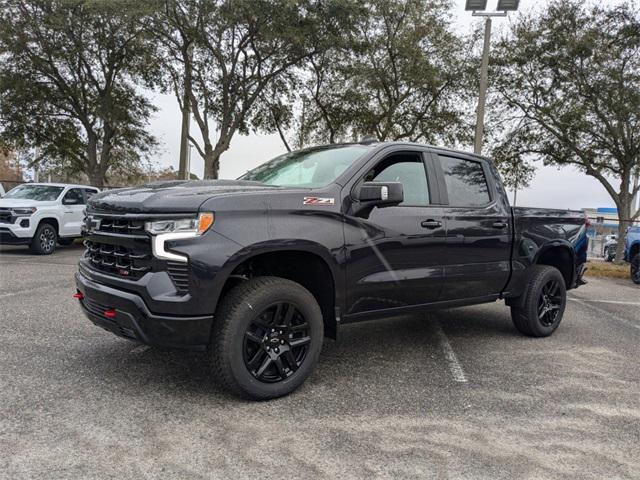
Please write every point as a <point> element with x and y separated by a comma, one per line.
<point>73,207</point>
<point>395,256</point>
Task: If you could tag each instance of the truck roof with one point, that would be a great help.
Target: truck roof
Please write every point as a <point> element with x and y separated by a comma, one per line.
<point>75,185</point>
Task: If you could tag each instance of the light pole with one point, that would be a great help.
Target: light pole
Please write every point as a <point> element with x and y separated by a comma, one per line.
<point>187,173</point>
<point>479,7</point>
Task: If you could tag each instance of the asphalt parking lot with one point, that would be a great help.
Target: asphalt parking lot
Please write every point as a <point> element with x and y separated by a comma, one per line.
<point>458,394</point>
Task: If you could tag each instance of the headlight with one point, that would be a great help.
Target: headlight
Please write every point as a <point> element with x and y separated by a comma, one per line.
<point>176,229</point>
<point>23,212</point>
<point>197,226</point>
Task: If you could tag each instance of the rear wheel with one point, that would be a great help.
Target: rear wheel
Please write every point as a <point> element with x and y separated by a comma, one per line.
<point>543,305</point>
<point>635,269</point>
<point>44,241</point>
<point>267,338</point>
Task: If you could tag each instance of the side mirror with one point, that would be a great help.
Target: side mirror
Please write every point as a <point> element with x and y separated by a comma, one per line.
<point>377,194</point>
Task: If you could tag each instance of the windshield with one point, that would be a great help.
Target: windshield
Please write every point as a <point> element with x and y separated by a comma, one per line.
<point>39,193</point>
<point>311,168</point>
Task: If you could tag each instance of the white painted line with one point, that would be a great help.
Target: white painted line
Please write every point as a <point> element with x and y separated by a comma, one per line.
<point>139,349</point>
<point>605,313</point>
<point>19,292</point>
<point>608,301</point>
<point>454,365</point>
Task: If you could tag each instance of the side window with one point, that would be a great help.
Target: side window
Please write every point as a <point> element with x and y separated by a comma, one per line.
<point>73,197</point>
<point>466,183</point>
<point>89,192</point>
<point>408,170</point>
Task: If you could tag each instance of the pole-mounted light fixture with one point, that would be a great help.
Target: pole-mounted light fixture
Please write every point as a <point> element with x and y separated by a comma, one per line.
<point>508,5</point>
<point>479,7</point>
<point>476,5</point>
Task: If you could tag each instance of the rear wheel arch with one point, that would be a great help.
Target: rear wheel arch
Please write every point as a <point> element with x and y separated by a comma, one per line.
<point>634,250</point>
<point>303,267</point>
<point>561,257</point>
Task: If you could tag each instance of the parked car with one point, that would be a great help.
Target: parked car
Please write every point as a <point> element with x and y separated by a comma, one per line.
<point>257,270</point>
<point>632,252</point>
<point>42,215</point>
<point>2,192</point>
<point>609,248</point>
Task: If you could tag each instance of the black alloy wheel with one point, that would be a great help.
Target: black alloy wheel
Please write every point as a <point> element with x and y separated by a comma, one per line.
<point>549,303</point>
<point>266,337</point>
<point>276,343</point>
<point>635,269</point>
<point>539,311</point>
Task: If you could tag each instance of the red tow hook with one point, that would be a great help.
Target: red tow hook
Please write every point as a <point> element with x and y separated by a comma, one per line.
<point>78,296</point>
<point>111,313</point>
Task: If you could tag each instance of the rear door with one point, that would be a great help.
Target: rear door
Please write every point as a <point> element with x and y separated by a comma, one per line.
<point>478,221</point>
<point>73,207</point>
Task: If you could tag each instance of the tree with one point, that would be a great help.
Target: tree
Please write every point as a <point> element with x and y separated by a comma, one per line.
<point>240,52</point>
<point>67,83</point>
<point>400,75</point>
<point>569,79</point>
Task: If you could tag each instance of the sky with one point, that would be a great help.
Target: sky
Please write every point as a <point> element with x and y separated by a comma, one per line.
<point>551,187</point>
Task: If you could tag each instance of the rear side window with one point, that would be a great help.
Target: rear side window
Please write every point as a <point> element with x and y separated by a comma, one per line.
<point>89,192</point>
<point>73,197</point>
<point>466,183</point>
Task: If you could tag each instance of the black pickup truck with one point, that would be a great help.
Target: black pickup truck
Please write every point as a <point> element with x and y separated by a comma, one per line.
<point>256,271</point>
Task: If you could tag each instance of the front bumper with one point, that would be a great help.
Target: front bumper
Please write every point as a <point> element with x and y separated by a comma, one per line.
<point>8,236</point>
<point>133,320</point>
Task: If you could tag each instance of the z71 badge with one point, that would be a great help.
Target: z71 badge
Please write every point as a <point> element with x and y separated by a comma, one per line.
<point>318,201</point>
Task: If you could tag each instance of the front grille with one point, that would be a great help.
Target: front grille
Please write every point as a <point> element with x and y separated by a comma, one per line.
<point>118,259</point>
<point>179,273</point>
<point>5,215</point>
<point>127,226</point>
<point>118,245</point>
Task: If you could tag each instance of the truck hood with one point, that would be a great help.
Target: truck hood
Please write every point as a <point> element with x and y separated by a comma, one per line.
<point>23,203</point>
<point>174,196</point>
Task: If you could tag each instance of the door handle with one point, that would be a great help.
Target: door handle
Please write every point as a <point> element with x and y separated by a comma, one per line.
<point>500,224</point>
<point>431,224</point>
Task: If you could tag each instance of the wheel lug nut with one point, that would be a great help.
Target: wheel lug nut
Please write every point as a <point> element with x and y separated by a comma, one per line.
<point>273,329</point>
<point>281,342</point>
<point>280,332</point>
<point>277,350</point>
<point>268,348</point>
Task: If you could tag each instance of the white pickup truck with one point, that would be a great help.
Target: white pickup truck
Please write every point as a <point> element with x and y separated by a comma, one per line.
<point>42,215</point>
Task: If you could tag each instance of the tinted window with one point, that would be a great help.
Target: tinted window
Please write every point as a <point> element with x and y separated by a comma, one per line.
<point>408,170</point>
<point>73,197</point>
<point>466,183</point>
<point>89,192</point>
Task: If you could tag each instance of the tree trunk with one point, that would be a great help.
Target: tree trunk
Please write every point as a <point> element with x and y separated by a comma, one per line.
<point>94,172</point>
<point>624,216</point>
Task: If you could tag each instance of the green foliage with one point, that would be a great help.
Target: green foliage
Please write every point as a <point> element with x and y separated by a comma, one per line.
<point>568,92</point>
<point>399,74</point>
<point>68,72</point>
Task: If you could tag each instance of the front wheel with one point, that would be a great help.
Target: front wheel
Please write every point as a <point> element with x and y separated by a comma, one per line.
<point>44,241</point>
<point>267,337</point>
<point>543,305</point>
<point>635,269</point>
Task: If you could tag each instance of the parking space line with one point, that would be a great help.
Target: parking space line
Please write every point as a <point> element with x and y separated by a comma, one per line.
<point>609,301</point>
<point>27,290</point>
<point>604,312</point>
<point>452,360</point>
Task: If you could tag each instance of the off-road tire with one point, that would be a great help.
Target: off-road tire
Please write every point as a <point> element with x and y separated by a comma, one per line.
<point>45,239</point>
<point>234,316</point>
<point>635,269</point>
<point>525,314</point>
